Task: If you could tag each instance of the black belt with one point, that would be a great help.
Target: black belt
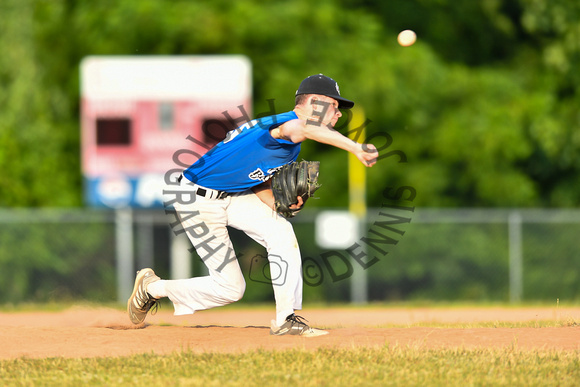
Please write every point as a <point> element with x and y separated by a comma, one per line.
<point>203,192</point>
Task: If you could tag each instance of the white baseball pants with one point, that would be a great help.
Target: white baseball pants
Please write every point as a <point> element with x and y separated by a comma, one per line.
<point>205,220</point>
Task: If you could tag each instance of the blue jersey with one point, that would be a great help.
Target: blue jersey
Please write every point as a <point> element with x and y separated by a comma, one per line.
<point>248,156</point>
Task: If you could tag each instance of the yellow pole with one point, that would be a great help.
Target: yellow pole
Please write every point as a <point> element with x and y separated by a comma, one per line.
<point>356,170</point>
<point>357,202</point>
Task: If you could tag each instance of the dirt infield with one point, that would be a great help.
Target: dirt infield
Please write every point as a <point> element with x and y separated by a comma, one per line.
<point>85,332</point>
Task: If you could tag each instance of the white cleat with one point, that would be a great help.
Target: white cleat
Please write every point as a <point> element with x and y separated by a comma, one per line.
<point>295,325</point>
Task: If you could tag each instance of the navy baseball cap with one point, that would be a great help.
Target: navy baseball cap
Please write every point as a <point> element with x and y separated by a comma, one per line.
<point>323,85</point>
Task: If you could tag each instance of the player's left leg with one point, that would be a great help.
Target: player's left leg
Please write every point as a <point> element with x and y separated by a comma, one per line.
<point>249,214</point>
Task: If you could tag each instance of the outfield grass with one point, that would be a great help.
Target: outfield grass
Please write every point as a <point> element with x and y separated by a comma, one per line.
<point>564,322</point>
<point>400,366</point>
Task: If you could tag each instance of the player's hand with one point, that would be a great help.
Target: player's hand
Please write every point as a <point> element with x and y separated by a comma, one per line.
<point>367,154</point>
<point>298,205</point>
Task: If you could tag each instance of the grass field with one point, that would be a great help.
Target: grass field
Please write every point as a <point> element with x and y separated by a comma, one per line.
<point>324,367</point>
<point>389,363</point>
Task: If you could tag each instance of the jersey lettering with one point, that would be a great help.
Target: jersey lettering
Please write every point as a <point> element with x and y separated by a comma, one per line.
<point>258,174</point>
<point>234,133</point>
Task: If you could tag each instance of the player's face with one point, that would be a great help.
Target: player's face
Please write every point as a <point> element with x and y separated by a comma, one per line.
<point>329,108</point>
<point>335,112</point>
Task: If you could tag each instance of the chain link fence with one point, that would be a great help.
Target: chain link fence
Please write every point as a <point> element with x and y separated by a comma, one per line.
<point>427,254</point>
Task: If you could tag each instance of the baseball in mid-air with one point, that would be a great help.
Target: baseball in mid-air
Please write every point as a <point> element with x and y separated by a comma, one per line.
<point>406,38</point>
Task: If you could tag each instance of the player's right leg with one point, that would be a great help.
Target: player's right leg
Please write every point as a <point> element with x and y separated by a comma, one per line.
<point>204,222</point>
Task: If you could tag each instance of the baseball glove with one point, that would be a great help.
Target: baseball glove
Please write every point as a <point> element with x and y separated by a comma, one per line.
<point>293,180</point>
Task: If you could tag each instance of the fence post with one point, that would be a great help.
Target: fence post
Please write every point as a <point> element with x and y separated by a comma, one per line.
<point>124,252</point>
<point>145,246</point>
<point>515,257</point>
<point>359,280</point>
<point>180,264</point>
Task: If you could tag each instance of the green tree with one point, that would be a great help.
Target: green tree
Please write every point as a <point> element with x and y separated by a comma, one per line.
<point>484,105</point>
<point>38,148</point>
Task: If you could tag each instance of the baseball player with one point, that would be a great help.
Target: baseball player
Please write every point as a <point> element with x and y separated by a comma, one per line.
<point>230,186</point>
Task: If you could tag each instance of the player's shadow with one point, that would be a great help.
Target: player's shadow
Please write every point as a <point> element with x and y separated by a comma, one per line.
<point>143,326</point>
